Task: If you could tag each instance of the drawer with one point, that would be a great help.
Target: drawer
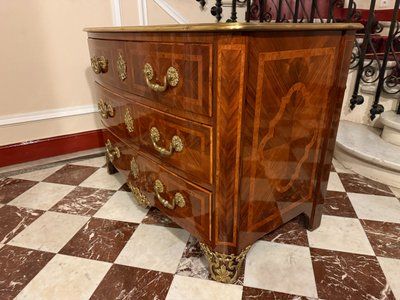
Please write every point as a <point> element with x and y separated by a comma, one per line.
<point>181,145</point>
<point>108,63</point>
<point>184,70</point>
<point>184,202</point>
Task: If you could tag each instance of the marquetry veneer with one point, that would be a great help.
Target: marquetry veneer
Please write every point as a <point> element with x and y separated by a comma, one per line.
<point>228,129</point>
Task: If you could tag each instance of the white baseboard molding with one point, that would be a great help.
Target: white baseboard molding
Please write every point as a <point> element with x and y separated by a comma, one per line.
<point>171,11</point>
<point>47,114</point>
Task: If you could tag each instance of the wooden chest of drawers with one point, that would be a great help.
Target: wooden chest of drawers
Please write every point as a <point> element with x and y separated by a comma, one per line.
<point>228,129</point>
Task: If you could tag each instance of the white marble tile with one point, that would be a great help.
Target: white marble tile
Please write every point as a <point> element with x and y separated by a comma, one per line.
<point>154,247</point>
<point>102,180</point>
<point>92,162</point>
<point>38,175</point>
<point>42,195</point>
<point>66,277</point>
<point>50,232</point>
<point>122,207</point>
<point>277,267</point>
<point>340,168</point>
<point>341,234</point>
<point>395,190</point>
<point>378,208</point>
<point>183,288</point>
<point>334,183</point>
<point>391,269</point>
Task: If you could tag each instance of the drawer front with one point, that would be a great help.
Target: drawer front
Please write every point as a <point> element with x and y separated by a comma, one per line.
<point>186,68</point>
<point>109,63</point>
<point>185,203</point>
<point>181,145</point>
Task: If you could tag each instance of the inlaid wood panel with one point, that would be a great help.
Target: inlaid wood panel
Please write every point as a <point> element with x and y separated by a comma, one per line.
<point>193,64</point>
<point>230,73</point>
<point>286,134</point>
<point>194,161</point>
<point>195,216</point>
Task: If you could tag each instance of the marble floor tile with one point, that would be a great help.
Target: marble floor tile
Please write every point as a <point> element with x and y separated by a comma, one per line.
<point>276,267</point>
<point>391,269</point>
<point>338,204</point>
<point>18,266</point>
<point>183,288</point>
<point>129,283</point>
<point>122,207</point>
<point>339,168</point>
<point>11,188</point>
<point>71,174</point>
<point>334,183</point>
<point>354,183</point>
<point>42,196</point>
<point>292,232</point>
<point>384,237</point>
<point>164,254</point>
<point>97,162</point>
<point>193,262</point>
<point>341,234</point>
<point>259,294</point>
<point>15,219</point>
<point>83,201</point>
<point>66,277</point>
<point>341,275</point>
<point>102,180</point>
<point>50,232</point>
<point>100,239</point>
<point>155,217</point>
<point>378,208</point>
<point>38,175</point>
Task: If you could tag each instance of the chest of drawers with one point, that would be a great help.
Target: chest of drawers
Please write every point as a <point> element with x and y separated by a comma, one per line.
<point>228,129</point>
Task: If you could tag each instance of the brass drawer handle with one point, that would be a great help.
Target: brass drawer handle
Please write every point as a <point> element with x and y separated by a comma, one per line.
<point>112,151</point>
<point>129,121</point>
<point>175,145</point>
<point>178,199</point>
<point>99,64</point>
<point>106,109</point>
<point>171,79</point>
<point>140,198</point>
<point>121,67</point>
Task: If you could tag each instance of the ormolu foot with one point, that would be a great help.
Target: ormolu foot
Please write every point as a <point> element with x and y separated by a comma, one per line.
<point>224,268</point>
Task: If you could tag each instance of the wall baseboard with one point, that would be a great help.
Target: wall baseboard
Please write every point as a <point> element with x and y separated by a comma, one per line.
<point>48,147</point>
<point>171,11</point>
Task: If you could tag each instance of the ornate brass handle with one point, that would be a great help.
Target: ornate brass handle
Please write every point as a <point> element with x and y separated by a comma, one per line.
<point>140,198</point>
<point>178,199</point>
<point>106,109</point>
<point>175,145</point>
<point>112,151</point>
<point>99,64</point>
<point>171,79</point>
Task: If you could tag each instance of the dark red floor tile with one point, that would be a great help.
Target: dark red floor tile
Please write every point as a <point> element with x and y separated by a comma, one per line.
<point>100,239</point>
<point>11,188</point>
<point>129,283</point>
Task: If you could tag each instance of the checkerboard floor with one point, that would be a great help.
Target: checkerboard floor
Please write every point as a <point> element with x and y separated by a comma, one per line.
<point>71,231</point>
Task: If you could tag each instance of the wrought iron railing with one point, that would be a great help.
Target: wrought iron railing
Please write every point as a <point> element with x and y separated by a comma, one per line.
<point>376,57</point>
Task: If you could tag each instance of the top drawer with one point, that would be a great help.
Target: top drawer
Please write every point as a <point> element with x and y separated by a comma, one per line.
<point>175,75</point>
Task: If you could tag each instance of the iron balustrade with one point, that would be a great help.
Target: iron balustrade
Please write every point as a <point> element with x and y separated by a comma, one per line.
<point>375,57</point>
